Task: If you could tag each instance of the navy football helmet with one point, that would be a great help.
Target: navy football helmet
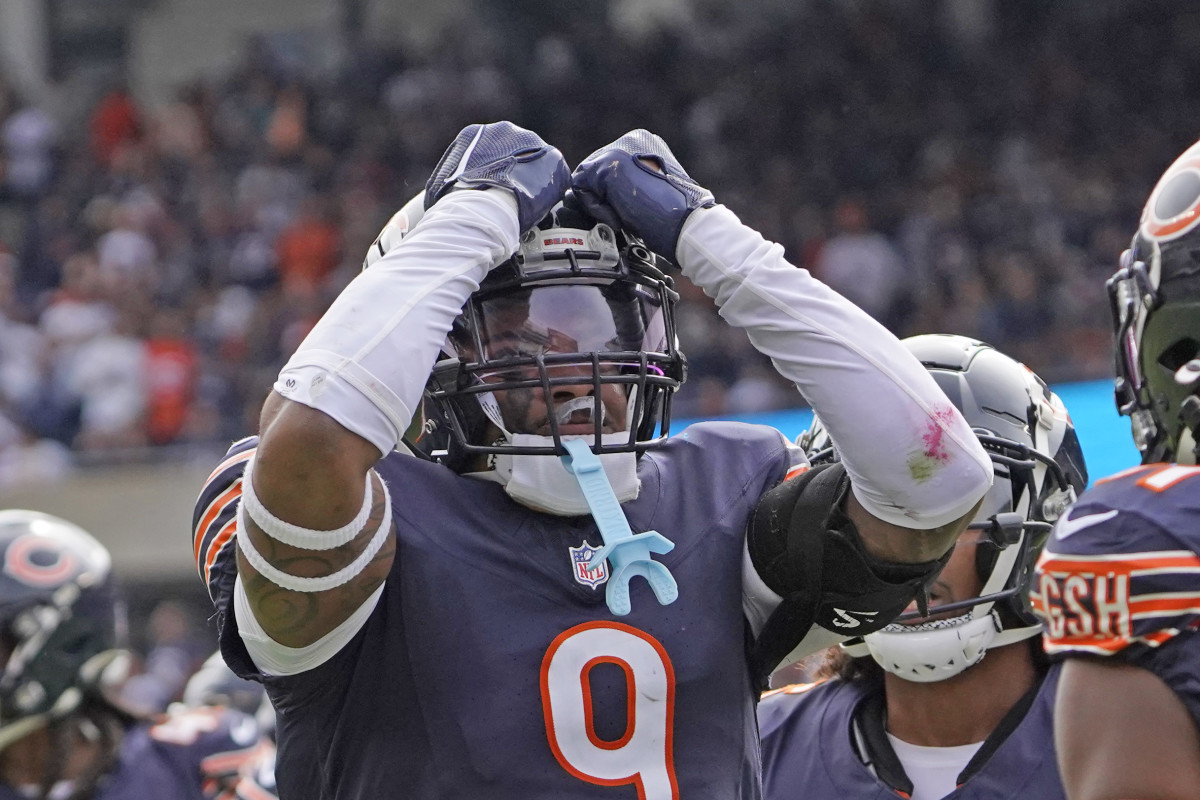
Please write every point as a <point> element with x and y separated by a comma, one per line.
<point>1155,302</point>
<point>1039,471</point>
<point>579,303</point>
<point>58,621</point>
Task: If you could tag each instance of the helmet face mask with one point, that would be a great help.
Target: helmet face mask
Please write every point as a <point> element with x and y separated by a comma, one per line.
<point>1157,352</point>
<point>1154,297</point>
<point>1039,470</point>
<point>581,315</point>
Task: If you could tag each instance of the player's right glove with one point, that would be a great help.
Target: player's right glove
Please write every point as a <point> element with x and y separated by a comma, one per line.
<point>502,154</point>
<point>617,187</point>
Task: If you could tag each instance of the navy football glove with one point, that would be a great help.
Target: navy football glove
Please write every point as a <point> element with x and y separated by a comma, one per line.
<point>616,187</point>
<point>501,154</point>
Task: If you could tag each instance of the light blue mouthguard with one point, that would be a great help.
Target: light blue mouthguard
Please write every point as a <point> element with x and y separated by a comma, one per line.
<point>628,553</point>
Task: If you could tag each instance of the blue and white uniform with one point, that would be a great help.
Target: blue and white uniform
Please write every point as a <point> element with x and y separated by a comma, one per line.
<point>814,735</point>
<point>489,664</point>
<point>465,679</point>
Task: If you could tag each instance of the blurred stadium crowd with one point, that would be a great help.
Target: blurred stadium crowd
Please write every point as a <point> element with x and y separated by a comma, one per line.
<point>158,264</point>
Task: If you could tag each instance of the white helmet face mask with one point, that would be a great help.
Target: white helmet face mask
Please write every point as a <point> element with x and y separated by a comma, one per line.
<point>1039,471</point>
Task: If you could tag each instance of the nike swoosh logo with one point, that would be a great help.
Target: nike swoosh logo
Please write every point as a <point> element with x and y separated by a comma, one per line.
<point>847,620</point>
<point>1070,526</point>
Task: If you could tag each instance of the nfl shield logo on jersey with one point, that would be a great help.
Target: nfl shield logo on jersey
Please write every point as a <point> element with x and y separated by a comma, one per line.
<point>579,559</point>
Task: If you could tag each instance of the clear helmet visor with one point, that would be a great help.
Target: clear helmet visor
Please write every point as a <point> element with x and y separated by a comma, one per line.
<point>562,320</point>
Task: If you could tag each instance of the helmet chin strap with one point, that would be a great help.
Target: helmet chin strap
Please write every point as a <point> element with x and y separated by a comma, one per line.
<point>545,484</point>
<point>934,651</point>
<point>930,651</point>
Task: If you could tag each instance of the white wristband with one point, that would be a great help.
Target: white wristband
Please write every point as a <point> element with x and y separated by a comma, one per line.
<point>323,583</point>
<point>294,535</point>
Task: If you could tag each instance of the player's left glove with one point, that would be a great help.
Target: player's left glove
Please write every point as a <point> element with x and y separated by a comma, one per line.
<point>504,155</point>
<point>617,187</point>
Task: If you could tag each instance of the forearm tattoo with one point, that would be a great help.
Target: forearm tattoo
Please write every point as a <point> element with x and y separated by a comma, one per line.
<point>283,612</point>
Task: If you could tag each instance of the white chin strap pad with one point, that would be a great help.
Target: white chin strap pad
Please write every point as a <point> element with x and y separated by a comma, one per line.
<point>938,650</point>
<point>931,651</point>
<point>543,484</point>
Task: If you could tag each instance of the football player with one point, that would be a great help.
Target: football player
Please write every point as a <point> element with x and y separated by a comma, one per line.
<point>957,703</point>
<point>1119,582</point>
<point>536,592</point>
<point>215,684</point>
<point>62,732</point>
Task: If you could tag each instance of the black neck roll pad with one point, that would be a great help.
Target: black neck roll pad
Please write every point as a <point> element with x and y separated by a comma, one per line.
<point>807,551</point>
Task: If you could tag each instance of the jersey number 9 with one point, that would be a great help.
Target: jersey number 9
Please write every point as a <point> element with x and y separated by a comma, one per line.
<point>643,753</point>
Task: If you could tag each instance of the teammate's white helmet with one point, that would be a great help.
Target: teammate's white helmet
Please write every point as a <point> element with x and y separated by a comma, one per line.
<point>1039,471</point>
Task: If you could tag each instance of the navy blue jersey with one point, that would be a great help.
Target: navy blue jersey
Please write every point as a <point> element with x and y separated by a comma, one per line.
<point>492,666</point>
<point>187,754</point>
<point>1120,576</point>
<point>808,749</point>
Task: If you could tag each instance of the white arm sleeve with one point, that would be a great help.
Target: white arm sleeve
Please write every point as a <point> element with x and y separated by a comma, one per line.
<point>366,361</point>
<point>274,658</point>
<point>912,459</point>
